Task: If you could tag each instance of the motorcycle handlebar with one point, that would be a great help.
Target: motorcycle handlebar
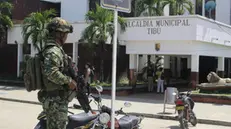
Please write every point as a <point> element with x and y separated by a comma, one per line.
<point>182,93</point>
<point>77,106</point>
<point>97,99</point>
<point>189,93</point>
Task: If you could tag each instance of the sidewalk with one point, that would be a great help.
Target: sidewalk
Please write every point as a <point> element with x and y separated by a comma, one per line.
<point>149,105</point>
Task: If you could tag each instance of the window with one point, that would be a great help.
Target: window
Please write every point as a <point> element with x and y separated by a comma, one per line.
<point>92,4</point>
<point>207,14</point>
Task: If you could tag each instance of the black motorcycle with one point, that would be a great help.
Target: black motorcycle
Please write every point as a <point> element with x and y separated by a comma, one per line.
<point>184,106</point>
<point>103,120</point>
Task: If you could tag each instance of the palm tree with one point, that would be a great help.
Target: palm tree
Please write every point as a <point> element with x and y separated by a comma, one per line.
<point>177,7</point>
<point>100,28</point>
<point>34,26</point>
<point>153,7</point>
<point>5,20</point>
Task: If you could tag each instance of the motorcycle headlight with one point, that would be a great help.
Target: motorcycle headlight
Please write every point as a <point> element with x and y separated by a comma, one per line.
<point>104,118</point>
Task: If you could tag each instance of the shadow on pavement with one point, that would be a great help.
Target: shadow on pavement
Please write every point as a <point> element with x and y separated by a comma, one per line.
<point>142,98</point>
<point>174,127</point>
<point>7,88</point>
<point>152,98</point>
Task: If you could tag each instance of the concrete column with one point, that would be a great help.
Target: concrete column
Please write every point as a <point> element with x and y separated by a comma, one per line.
<point>166,10</point>
<point>178,67</point>
<point>194,70</point>
<point>132,68</point>
<point>75,53</point>
<point>167,72</point>
<point>33,50</point>
<point>143,61</point>
<point>162,61</point>
<point>137,63</point>
<point>189,66</point>
<point>166,62</point>
<point>221,66</point>
<point>19,58</point>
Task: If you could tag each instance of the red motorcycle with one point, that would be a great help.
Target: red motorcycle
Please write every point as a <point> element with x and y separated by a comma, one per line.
<point>184,107</point>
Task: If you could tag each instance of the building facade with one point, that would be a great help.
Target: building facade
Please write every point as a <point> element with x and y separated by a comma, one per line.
<point>183,40</point>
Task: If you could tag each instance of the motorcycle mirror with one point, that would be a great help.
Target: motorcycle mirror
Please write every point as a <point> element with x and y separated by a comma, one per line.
<point>127,104</point>
<point>99,88</point>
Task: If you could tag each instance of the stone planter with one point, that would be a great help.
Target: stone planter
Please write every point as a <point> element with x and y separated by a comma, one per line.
<point>206,98</point>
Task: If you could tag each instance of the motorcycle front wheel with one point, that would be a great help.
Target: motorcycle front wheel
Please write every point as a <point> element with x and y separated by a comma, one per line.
<point>183,122</point>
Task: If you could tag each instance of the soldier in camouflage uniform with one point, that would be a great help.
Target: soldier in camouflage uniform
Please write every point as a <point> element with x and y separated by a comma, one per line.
<point>57,84</point>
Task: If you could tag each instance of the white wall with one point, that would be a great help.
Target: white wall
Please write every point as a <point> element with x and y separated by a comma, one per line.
<point>223,11</point>
<point>14,34</point>
<point>201,29</point>
<point>212,31</point>
<point>178,48</point>
<point>74,10</point>
<point>139,30</point>
<point>78,29</point>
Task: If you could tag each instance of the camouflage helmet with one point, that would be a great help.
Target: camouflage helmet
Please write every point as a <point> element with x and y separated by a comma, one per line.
<point>59,24</point>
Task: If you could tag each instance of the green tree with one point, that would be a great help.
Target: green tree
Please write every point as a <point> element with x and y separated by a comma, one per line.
<point>100,28</point>
<point>177,7</point>
<point>34,27</point>
<point>5,20</point>
<point>153,7</point>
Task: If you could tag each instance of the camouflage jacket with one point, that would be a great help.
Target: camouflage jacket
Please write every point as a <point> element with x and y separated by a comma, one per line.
<point>53,66</point>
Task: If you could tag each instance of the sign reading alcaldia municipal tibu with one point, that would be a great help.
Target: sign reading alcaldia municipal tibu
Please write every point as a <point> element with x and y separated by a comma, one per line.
<point>155,26</point>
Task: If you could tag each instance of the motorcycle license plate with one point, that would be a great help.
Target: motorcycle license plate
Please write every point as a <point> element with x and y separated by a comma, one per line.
<point>87,126</point>
<point>179,107</point>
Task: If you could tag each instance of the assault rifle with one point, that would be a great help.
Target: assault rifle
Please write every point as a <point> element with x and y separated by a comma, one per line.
<point>83,90</point>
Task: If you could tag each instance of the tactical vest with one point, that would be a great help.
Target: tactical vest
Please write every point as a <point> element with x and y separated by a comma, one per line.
<point>49,85</point>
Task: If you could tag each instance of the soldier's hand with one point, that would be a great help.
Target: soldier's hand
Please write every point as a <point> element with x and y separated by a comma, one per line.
<point>73,85</point>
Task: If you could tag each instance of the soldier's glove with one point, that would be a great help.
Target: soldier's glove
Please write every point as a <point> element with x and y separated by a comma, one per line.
<point>72,85</point>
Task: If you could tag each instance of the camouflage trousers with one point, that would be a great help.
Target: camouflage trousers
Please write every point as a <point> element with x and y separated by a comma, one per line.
<point>56,109</point>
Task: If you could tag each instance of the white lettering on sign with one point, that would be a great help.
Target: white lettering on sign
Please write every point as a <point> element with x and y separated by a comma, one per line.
<point>154,26</point>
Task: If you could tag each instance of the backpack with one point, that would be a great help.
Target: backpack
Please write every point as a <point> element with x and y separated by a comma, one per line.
<point>33,73</point>
<point>33,78</point>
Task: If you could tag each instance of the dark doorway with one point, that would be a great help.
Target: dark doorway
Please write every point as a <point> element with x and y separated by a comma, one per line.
<point>184,69</point>
<point>8,65</point>
<point>206,65</point>
<point>227,71</point>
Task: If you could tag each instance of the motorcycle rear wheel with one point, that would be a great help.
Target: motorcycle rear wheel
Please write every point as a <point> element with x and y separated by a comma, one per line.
<point>193,119</point>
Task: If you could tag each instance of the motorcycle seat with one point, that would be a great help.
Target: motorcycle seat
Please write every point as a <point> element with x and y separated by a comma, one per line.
<point>128,122</point>
<point>80,119</point>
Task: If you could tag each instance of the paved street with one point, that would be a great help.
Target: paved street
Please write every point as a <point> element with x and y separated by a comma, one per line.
<point>20,115</point>
<point>151,103</point>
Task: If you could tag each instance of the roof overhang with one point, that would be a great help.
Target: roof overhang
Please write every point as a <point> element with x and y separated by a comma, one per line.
<point>52,1</point>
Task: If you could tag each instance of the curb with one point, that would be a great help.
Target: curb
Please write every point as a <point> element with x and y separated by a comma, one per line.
<point>163,117</point>
<point>12,83</point>
<point>20,101</point>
